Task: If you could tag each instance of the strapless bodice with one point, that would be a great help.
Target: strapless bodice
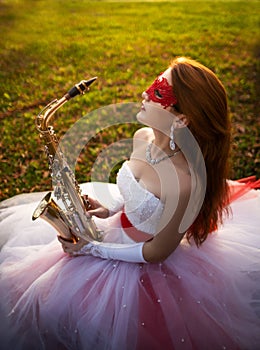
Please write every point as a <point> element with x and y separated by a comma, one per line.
<point>142,207</point>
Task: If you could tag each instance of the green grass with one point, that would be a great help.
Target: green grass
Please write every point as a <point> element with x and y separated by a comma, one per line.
<point>48,46</point>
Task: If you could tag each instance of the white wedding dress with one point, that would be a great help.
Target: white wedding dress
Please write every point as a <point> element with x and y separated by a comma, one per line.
<point>199,298</point>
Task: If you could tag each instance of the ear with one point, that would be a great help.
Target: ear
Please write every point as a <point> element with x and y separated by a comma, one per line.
<point>181,121</point>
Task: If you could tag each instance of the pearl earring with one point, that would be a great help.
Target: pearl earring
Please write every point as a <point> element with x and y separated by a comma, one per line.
<point>172,144</point>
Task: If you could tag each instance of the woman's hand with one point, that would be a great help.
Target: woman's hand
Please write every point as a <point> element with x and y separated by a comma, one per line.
<point>72,248</point>
<point>95,208</point>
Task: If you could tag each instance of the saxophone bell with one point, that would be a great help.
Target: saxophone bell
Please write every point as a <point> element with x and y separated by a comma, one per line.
<point>49,211</point>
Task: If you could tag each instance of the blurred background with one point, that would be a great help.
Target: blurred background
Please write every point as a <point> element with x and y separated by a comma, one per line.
<point>47,46</point>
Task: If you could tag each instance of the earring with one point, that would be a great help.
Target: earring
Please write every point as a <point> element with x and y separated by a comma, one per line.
<point>172,144</point>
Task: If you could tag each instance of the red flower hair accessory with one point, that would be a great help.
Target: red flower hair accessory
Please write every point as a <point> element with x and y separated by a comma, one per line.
<point>161,91</point>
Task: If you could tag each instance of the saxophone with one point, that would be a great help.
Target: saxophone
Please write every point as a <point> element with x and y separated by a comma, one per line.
<point>73,221</point>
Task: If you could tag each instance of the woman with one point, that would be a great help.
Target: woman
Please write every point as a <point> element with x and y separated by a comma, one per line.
<point>158,279</point>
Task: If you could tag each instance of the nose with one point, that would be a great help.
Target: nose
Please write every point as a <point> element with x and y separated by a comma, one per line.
<point>145,96</point>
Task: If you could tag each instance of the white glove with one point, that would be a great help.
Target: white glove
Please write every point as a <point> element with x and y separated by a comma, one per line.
<point>116,251</point>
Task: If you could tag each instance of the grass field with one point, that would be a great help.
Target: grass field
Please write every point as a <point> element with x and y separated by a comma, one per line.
<point>48,46</point>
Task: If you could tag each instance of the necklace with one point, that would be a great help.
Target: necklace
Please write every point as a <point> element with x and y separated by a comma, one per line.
<point>153,161</point>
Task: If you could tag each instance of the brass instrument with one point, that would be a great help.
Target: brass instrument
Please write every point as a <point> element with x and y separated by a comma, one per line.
<point>73,221</point>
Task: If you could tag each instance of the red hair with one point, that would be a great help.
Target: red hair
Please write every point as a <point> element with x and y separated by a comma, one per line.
<point>202,98</point>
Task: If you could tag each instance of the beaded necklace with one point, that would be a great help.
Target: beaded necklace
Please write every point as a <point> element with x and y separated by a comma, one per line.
<point>154,161</point>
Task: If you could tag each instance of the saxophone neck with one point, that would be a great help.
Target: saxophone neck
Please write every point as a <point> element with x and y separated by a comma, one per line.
<point>44,117</point>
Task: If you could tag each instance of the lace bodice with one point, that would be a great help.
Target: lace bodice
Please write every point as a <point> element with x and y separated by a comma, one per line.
<point>142,207</point>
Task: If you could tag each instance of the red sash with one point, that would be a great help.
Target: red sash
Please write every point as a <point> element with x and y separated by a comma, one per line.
<point>132,232</point>
<point>240,187</point>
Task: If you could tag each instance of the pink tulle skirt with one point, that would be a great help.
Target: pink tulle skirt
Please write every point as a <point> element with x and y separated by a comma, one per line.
<point>199,298</point>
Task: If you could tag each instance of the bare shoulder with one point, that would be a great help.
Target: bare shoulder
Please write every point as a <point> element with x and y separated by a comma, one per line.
<point>141,137</point>
<point>144,134</point>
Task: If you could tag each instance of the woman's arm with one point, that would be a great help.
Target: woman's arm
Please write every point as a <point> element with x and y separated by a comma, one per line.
<point>169,236</point>
<point>177,189</point>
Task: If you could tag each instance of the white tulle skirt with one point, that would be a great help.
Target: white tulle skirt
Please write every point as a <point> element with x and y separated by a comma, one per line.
<point>199,298</point>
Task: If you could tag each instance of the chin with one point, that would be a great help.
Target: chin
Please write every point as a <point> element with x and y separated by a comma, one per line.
<point>156,118</point>
<point>142,118</point>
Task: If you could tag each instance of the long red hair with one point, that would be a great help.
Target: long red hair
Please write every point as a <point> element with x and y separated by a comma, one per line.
<point>202,98</point>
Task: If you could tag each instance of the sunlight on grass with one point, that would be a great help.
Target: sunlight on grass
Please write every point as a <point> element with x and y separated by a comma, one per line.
<point>48,46</point>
